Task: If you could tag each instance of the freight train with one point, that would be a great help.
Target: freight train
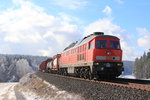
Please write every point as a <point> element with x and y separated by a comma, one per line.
<point>95,56</point>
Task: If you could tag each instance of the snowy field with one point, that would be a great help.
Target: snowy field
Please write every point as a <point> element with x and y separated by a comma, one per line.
<point>31,87</point>
<point>128,76</point>
<point>7,91</point>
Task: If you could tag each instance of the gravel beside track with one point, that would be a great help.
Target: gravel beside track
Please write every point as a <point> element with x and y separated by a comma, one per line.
<point>94,91</point>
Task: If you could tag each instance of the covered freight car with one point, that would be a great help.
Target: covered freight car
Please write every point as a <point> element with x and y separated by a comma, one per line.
<point>53,66</point>
<point>43,65</point>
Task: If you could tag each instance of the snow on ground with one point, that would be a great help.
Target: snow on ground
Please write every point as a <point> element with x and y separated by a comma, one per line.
<point>128,76</point>
<point>13,91</point>
<point>31,87</point>
<point>7,91</point>
<point>147,79</point>
<point>56,94</point>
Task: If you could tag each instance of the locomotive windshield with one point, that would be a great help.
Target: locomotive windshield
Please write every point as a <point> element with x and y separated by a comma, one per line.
<point>114,44</point>
<point>100,44</point>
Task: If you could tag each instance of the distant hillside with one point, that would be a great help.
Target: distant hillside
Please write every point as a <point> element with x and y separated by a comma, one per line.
<point>128,67</point>
<point>142,66</point>
<point>13,67</point>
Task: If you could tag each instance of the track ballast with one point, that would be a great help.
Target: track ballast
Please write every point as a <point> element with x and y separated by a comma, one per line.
<point>97,90</point>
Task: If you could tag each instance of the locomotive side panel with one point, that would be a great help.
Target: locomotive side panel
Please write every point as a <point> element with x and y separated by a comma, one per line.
<point>90,51</point>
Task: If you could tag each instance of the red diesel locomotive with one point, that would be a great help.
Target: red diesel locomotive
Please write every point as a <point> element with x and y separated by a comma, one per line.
<point>96,55</point>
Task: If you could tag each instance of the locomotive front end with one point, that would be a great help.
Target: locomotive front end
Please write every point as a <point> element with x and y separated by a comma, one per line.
<point>107,56</point>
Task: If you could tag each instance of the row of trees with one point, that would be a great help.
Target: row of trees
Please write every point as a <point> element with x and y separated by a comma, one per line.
<point>142,66</point>
<point>13,67</point>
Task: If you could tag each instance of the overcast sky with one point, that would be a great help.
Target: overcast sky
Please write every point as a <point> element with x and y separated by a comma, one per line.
<point>46,27</point>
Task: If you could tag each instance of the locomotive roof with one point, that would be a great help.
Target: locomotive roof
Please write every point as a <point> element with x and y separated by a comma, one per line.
<point>87,39</point>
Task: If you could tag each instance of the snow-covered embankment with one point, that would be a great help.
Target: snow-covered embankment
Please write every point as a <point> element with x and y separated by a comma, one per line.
<point>31,87</point>
<point>7,91</point>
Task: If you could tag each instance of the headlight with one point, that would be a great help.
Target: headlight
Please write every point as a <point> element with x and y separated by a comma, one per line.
<point>108,53</point>
<point>96,63</point>
<point>119,64</point>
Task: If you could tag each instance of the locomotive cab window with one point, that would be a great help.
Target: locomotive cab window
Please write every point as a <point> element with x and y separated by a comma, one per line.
<point>114,44</point>
<point>91,45</point>
<point>100,44</point>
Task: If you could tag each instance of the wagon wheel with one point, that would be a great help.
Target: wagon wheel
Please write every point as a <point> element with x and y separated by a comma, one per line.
<point>61,72</point>
<point>90,76</point>
<point>65,72</point>
<point>43,71</point>
<point>77,72</point>
<point>85,74</point>
<point>81,73</point>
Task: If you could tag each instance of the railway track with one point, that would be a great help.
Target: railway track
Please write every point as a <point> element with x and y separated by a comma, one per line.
<point>118,89</point>
<point>129,83</point>
<point>120,82</point>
